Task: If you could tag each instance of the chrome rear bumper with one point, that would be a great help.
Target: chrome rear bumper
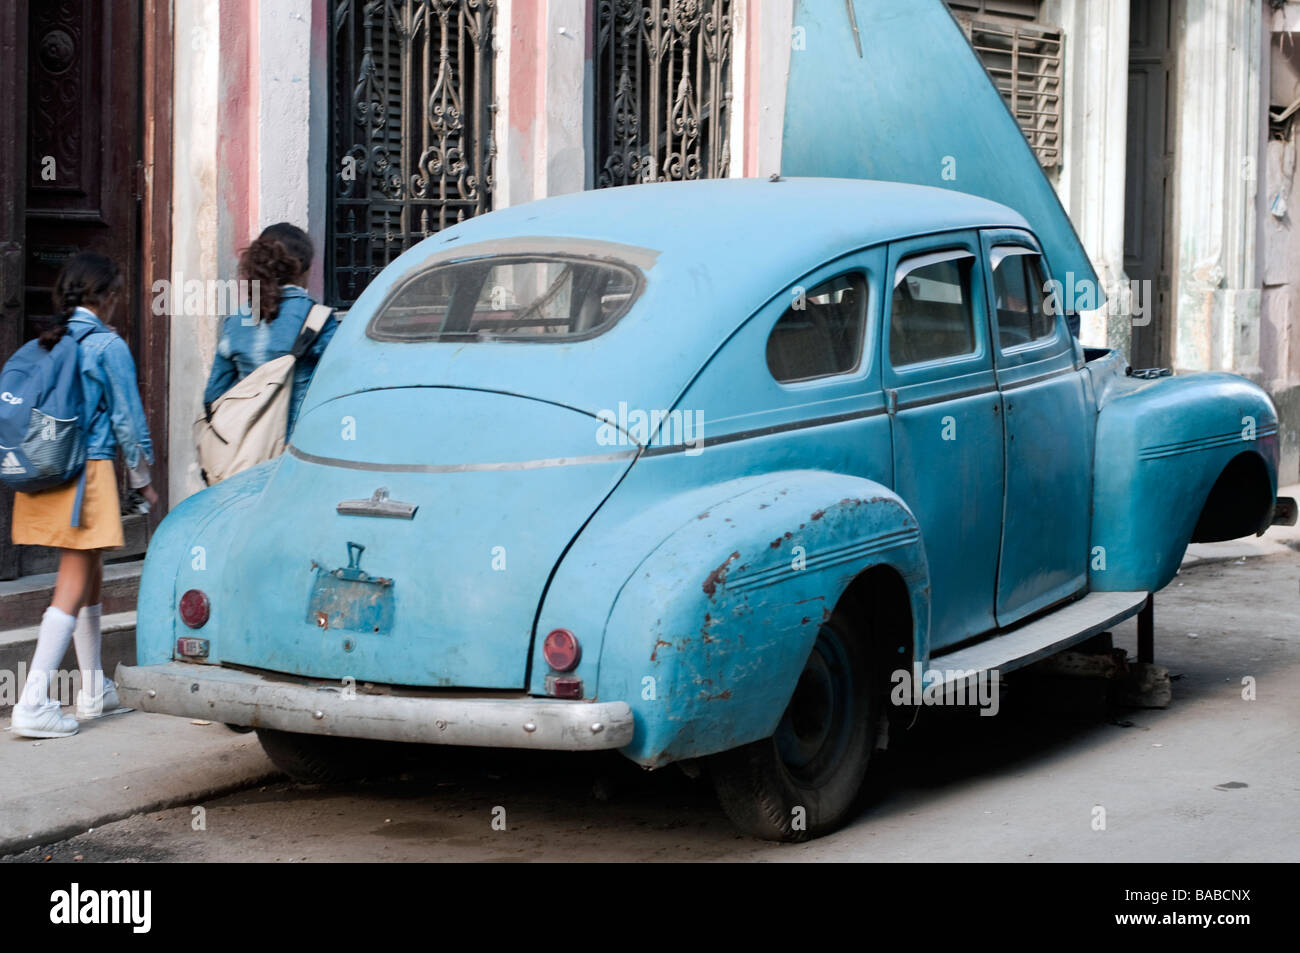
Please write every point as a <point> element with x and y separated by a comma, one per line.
<point>246,698</point>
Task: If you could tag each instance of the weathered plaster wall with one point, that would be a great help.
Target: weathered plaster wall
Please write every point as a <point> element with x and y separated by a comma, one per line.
<point>1217,326</point>
<point>194,226</point>
<point>250,143</point>
<point>1091,178</point>
<point>1279,238</point>
<point>284,156</point>
<point>542,66</point>
<point>762,43</point>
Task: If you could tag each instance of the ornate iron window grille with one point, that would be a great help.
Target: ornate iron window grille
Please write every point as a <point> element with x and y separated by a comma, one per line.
<point>411,140</point>
<point>662,90</point>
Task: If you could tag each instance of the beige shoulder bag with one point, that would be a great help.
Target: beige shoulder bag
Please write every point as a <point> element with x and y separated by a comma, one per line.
<point>246,424</point>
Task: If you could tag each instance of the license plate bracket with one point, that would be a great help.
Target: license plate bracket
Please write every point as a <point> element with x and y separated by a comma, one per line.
<point>349,598</point>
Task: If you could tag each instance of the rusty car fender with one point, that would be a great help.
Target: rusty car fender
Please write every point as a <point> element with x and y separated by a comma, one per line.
<point>708,635</point>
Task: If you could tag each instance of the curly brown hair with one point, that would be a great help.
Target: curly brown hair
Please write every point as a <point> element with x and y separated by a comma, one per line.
<point>281,254</point>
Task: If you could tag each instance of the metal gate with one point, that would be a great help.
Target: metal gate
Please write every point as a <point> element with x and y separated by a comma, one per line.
<point>662,90</point>
<point>411,144</point>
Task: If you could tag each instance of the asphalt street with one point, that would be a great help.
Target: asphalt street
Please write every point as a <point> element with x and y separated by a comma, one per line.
<point>1054,776</point>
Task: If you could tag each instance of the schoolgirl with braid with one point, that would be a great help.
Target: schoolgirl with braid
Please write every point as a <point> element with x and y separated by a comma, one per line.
<point>87,295</point>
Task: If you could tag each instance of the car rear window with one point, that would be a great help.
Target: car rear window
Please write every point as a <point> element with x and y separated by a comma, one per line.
<point>509,298</point>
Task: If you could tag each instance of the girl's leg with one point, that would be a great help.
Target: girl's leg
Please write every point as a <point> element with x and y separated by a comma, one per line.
<point>86,636</point>
<point>75,567</point>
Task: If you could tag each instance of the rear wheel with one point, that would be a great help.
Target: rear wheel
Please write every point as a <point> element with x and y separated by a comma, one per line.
<point>323,759</point>
<point>804,781</point>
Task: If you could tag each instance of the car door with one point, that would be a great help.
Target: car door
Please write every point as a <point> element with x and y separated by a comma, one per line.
<point>946,419</point>
<point>1045,418</point>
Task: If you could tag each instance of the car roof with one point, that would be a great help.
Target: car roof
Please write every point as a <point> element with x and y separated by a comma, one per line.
<point>713,252</point>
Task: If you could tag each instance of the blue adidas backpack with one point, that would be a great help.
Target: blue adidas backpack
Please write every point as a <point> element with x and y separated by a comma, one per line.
<point>42,436</point>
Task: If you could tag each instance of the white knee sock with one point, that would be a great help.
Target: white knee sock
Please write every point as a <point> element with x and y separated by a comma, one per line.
<point>51,646</point>
<point>87,639</point>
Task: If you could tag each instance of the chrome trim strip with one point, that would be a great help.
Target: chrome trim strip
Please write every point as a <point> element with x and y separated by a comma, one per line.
<point>943,398</point>
<point>1059,372</point>
<point>825,559</point>
<point>461,467</point>
<point>767,431</point>
<point>1202,443</point>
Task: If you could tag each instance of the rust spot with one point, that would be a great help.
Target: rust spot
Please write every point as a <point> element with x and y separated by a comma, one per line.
<point>718,576</point>
<point>804,621</point>
<point>826,615</point>
<point>721,696</point>
<point>819,514</point>
<point>776,543</point>
<point>704,515</point>
<point>655,653</point>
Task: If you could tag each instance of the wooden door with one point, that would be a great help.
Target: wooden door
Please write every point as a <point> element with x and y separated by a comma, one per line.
<point>72,170</point>
<point>1149,178</point>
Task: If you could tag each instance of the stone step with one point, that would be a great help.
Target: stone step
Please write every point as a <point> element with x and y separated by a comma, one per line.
<point>23,601</point>
<point>18,644</point>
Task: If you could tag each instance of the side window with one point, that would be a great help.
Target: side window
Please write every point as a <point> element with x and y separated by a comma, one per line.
<point>930,316</point>
<point>820,334</point>
<point>1020,295</point>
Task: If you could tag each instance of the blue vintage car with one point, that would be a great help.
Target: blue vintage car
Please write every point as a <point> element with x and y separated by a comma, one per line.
<point>691,471</point>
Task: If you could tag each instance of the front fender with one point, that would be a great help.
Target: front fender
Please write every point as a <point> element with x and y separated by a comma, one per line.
<point>186,552</point>
<point>708,636</point>
<point>1161,445</point>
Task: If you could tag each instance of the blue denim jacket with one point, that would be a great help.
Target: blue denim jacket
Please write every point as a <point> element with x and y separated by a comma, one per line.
<point>114,414</point>
<point>246,345</point>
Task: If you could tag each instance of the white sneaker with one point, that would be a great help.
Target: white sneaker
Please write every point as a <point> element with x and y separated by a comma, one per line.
<point>91,706</point>
<point>43,720</point>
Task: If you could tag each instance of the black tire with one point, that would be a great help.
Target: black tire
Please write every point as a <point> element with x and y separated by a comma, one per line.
<point>239,729</point>
<point>324,759</point>
<point>818,758</point>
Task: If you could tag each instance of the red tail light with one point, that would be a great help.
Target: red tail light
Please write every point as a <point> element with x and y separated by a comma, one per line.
<point>194,608</point>
<point>561,650</point>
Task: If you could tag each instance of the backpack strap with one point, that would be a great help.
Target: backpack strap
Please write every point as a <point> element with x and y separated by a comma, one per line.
<point>76,502</point>
<point>79,336</point>
<point>311,329</point>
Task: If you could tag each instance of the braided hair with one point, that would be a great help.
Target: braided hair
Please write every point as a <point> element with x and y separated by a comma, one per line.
<point>87,278</point>
<point>278,256</point>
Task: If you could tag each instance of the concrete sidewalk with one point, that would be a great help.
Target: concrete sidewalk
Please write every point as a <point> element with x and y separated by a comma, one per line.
<point>113,768</point>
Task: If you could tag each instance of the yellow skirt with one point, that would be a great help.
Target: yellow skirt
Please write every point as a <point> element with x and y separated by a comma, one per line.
<point>44,518</point>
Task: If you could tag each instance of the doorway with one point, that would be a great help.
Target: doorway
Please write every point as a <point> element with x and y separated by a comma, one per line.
<point>82,82</point>
<point>1148,198</point>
